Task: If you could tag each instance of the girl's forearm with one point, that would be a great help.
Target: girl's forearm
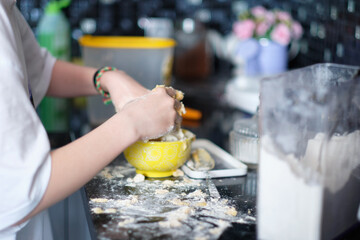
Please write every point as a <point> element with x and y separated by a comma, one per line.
<point>76,163</point>
<point>70,80</point>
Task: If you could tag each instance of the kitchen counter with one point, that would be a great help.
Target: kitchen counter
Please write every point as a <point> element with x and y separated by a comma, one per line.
<point>118,207</point>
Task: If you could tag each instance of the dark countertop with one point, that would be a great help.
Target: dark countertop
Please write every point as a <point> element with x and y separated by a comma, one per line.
<point>111,189</point>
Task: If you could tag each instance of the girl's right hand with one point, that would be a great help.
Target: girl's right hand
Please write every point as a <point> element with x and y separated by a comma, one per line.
<point>154,114</point>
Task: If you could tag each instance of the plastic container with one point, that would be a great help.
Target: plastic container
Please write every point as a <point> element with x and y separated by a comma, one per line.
<point>53,33</point>
<point>147,60</point>
<point>309,176</point>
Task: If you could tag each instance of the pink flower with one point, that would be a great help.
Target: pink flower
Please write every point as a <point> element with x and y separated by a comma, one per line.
<point>281,34</point>
<point>262,28</point>
<point>258,11</point>
<point>244,29</point>
<point>297,30</point>
<point>270,18</point>
<point>283,16</point>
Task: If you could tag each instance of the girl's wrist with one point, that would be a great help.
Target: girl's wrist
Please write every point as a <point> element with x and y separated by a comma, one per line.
<point>100,82</point>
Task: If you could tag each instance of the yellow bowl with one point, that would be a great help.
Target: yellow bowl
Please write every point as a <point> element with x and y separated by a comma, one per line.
<point>159,159</point>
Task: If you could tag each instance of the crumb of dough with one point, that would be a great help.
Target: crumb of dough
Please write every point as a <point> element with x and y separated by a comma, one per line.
<point>110,210</point>
<point>186,210</point>
<point>183,194</point>
<point>97,210</point>
<point>179,95</point>
<point>178,173</point>
<point>178,202</point>
<point>201,203</point>
<point>174,135</point>
<point>176,217</point>
<point>168,182</point>
<point>170,224</point>
<point>197,193</point>
<point>134,199</point>
<point>231,211</point>
<point>139,178</point>
<point>249,211</point>
<point>187,180</point>
<point>129,180</point>
<point>161,191</point>
<point>128,202</point>
<point>118,175</point>
<point>99,200</point>
<point>126,221</point>
<point>105,173</point>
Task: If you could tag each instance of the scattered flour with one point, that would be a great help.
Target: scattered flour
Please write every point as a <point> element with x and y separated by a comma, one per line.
<point>168,183</point>
<point>161,191</point>
<point>99,200</point>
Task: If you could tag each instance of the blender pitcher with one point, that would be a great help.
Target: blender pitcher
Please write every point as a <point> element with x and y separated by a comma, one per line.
<point>309,170</point>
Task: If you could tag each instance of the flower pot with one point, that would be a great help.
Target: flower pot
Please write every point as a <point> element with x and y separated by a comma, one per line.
<point>248,51</point>
<point>262,57</point>
<point>272,58</point>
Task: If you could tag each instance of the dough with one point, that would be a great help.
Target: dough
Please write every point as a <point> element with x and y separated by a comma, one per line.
<point>110,210</point>
<point>168,183</point>
<point>139,178</point>
<point>231,211</point>
<point>126,221</point>
<point>178,173</point>
<point>97,210</point>
<point>99,200</point>
<point>197,193</point>
<point>161,191</point>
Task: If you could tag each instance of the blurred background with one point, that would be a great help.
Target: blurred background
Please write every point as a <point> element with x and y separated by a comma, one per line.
<point>331,33</point>
<point>331,27</point>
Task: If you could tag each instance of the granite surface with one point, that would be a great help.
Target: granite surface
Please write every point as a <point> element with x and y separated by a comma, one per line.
<point>123,206</point>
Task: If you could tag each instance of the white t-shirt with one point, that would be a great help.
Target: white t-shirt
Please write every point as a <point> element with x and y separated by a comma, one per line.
<point>25,161</point>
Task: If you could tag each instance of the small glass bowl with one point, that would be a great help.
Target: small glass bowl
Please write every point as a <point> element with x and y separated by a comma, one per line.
<point>244,141</point>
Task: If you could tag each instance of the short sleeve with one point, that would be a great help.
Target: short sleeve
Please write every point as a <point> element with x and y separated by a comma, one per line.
<point>25,161</point>
<point>39,71</point>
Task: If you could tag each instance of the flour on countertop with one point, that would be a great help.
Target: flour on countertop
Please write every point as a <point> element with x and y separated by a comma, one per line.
<point>179,206</point>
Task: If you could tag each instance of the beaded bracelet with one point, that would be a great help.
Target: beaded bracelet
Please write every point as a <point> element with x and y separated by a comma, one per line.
<point>98,74</point>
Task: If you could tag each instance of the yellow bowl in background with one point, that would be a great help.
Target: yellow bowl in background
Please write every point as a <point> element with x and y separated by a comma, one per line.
<point>159,159</point>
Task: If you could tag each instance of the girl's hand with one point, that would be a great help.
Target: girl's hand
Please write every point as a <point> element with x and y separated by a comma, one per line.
<point>154,114</point>
<point>122,88</point>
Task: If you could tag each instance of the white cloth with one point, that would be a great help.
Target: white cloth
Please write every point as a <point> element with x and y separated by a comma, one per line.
<point>25,161</point>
